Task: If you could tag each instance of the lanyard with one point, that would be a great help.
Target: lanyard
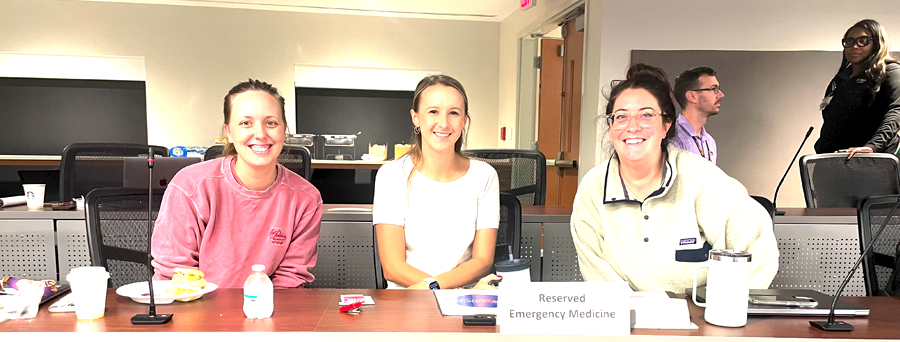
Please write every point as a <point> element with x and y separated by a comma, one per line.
<point>700,148</point>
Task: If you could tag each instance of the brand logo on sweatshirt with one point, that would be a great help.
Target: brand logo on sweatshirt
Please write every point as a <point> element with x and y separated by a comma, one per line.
<point>690,241</point>
<point>277,237</point>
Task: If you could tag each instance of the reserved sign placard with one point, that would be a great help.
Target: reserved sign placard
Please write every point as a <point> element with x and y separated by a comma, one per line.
<point>571,308</point>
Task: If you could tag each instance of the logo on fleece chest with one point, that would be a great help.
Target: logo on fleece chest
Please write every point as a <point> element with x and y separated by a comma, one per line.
<point>688,241</point>
<point>277,237</point>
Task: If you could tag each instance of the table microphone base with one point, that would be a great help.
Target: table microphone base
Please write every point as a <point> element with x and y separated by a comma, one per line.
<point>148,319</point>
<point>828,326</point>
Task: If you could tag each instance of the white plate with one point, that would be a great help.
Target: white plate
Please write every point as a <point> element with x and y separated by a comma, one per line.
<point>139,292</point>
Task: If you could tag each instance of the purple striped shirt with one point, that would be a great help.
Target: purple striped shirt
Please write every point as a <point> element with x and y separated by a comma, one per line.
<point>703,145</point>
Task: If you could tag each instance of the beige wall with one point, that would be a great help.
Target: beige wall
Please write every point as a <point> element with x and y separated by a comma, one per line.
<point>193,55</point>
<point>765,25</point>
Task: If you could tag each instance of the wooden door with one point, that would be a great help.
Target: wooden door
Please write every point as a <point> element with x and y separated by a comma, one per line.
<point>559,115</point>
<point>550,110</point>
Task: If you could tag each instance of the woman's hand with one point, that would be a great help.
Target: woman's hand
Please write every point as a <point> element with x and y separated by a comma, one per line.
<point>855,150</point>
<point>483,283</point>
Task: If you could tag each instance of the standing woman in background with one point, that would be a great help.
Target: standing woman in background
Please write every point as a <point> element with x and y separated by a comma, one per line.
<point>436,212</point>
<point>861,109</point>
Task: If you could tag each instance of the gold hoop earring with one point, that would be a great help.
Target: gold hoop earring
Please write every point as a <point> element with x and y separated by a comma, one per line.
<point>417,130</point>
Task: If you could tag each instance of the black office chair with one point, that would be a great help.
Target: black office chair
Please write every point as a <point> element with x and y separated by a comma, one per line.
<point>766,204</point>
<point>294,157</point>
<point>522,173</point>
<point>881,265</point>
<point>117,232</point>
<point>88,166</point>
<point>509,233</point>
<point>830,180</point>
<point>213,152</point>
<point>380,281</point>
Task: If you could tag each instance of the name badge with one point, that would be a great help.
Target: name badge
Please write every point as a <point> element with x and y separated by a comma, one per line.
<point>576,308</point>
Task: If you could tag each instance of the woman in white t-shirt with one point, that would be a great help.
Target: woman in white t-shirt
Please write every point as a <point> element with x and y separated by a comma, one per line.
<point>436,212</point>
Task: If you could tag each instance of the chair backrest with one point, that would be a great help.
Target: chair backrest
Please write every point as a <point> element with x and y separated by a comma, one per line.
<point>880,264</point>
<point>509,233</point>
<point>87,166</point>
<point>213,152</point>
<point>346,257</point>
<point>522,173</point>
<point>766,204</point>
<point>117,232</point>
<point>830,180</point>
<point>818,257</point>
<point>294,157</point>
<point>380,281</point>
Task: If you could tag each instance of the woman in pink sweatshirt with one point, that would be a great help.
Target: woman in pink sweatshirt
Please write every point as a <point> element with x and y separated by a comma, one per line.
<point>225,215</point>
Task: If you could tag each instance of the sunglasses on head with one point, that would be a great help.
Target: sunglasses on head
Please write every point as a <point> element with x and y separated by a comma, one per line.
<point>849,42</point>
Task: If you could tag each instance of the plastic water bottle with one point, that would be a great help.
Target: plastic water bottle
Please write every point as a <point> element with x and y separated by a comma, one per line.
<point>258,294</point>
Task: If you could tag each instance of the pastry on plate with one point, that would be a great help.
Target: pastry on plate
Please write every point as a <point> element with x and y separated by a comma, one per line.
<point>186,281</point>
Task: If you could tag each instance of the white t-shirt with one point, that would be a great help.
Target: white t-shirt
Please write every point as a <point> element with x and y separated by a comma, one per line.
<point>439,219</point>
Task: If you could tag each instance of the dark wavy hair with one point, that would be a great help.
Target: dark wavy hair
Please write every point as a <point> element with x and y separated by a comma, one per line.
<point>874,66</point>
<point>243,87</point>
<point>655,81</point>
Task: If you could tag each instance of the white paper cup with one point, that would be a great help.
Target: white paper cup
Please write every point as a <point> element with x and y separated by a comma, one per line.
<point>89,285</point>
<point>34,196</point>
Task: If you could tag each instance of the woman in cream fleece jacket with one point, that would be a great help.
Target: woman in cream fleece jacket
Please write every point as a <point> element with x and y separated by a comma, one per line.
<point>652,212</point>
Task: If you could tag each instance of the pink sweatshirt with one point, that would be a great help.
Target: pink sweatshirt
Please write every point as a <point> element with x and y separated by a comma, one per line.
<point>209,220</point>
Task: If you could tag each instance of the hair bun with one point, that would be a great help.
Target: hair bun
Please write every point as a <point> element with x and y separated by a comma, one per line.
<point>641,70</point>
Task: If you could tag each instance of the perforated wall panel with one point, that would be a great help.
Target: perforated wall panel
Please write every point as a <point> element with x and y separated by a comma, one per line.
<point>72,246</point>
<point>27,249</point>
<point>818,257</point>
<point>346,258</point>
<point>560,257</point>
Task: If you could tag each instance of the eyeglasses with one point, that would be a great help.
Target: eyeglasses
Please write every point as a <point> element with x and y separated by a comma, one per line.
<point>619,120</point>
<point>860,41</point>
<point>714,89</point>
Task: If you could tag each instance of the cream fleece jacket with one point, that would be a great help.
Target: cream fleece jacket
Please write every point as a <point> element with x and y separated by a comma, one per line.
<point>654,244</point>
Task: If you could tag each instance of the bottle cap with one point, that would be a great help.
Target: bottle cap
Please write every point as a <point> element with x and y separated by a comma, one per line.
<point>258,268</point>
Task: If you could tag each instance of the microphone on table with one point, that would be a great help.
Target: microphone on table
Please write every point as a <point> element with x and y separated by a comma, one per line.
<point>831,325</point>
<point>775,199</point>
<point>152,317</point>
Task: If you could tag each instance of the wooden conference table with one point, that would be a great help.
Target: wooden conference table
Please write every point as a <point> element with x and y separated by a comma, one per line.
<point>406,315</point>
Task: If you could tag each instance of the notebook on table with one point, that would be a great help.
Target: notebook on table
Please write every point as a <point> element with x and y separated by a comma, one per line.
<point>135,170</point>
<point>822,307</point>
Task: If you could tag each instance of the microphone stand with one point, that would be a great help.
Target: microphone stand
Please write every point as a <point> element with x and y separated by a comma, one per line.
<point>831,325</point>
<point>775,198</point>
<point>152,317</point>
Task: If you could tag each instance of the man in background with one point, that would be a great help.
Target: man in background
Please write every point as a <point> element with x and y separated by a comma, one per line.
<point>697,92</point>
